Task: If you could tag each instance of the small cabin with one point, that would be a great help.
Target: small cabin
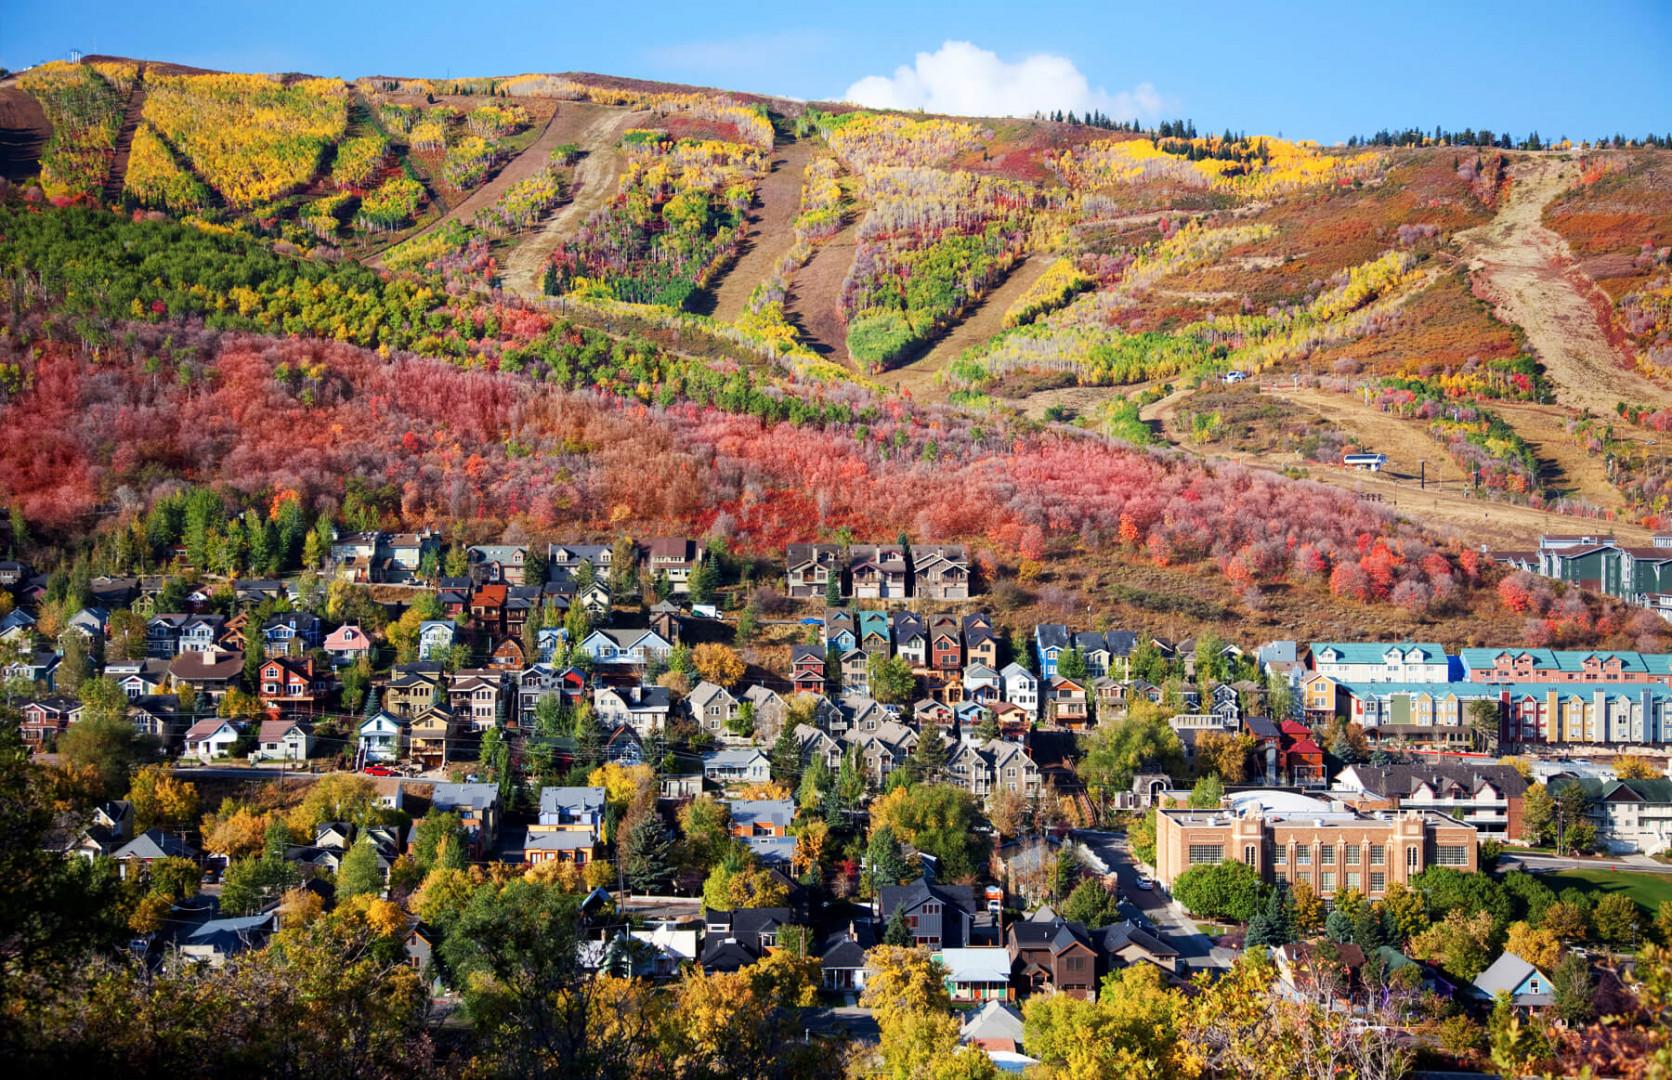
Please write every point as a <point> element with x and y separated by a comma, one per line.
<point>1372,462</point>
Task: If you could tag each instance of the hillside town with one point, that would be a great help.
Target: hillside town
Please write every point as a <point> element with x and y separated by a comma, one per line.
<point>842,773</point>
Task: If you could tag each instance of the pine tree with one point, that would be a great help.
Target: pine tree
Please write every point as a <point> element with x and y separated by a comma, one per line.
<point>885,859</point>
<point>833,590</point>
<point>785,757</point>
<point>647,854</point>
<point>897,933</point>
<point>928,758</point>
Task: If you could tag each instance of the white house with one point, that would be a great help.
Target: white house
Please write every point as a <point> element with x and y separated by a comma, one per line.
<point>611,647</point>
<point>383,737</point>
<point>643,708</point>
<point>284,740</point>
<point>1021,688</point>
<point>736,766</point>
<point>435,637</point>
<point>210,739</point>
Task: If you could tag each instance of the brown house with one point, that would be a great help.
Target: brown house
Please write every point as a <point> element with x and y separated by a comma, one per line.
<point>1052,955</point>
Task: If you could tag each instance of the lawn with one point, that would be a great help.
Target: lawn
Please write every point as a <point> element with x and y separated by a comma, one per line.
<point>1649,890</point>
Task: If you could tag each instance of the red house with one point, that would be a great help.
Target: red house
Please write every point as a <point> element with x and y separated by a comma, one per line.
<point>290,683</point>
<point>807,669</point>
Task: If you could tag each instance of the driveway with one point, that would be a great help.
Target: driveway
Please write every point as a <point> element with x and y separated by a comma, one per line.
<point>1637,864</point>
<point>1157,909</point>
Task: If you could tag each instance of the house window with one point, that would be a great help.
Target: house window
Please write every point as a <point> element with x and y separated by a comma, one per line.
<point>1326,882</point>
<point>1303,856</point>
<point>1533,985</point>
<point>1326,854</point>
<point>931,909</point>
<point>1248,855</point>
<point>1280,856</point>
<point>1378,855</point>
<point>1352,880</point>
<point>1378,881</point>
<point>1451,855</point>
<point>1411,857</point>
<point>1351,854</point>
<point>1206,854</point>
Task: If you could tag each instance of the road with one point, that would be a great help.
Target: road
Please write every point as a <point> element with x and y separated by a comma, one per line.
<point>1159,911</point>
<point>1551,862</point>
<point>242,772</point>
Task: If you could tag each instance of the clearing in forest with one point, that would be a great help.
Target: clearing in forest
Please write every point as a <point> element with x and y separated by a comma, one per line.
<point>813,304</point>
<point>981,322</point>
<point>1530,275</point>
<point>771,231</point>
<point>596,129</point>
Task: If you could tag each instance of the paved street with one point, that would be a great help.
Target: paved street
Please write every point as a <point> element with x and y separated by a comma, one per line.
<point>1637,864</point>
<point>1195,948</point>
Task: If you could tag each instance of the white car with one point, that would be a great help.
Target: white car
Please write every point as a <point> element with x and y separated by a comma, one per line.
<point>1235,376</point>
<point>1146,884</point>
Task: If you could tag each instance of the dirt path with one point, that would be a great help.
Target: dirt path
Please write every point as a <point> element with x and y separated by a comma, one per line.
<point>814,291</point>
<point>918,378</point>
<point>596,129</point>
<point>124,144</point>
<point>533,158</point>
<point>1571,469</point>
<point>1443,504</point>
<point>771,233</point>
<point>24,132</point>
<point>1522,264</point>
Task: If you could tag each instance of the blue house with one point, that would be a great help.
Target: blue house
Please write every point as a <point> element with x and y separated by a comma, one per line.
<point>1050,641</point>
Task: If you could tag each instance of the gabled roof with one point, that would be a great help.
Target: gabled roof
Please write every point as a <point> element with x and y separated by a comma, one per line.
<point>776,812</point>
<point>474,796</point>
<point>1375,652</point>
<point>573,801</point>
<point>1506,974</point>
<point>995,1022</point>
<point>155,844</point>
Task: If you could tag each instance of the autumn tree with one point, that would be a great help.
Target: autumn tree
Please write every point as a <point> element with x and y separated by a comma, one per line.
<point>719,664</point>
<point>159,798</point>
<point>938,819</point>
<point>891,679</point>
<point>1225,754</point>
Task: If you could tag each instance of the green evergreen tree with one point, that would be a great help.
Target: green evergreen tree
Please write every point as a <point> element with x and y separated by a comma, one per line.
<point>897,933</point>
<point>647,854</point>
<point>885,859</point>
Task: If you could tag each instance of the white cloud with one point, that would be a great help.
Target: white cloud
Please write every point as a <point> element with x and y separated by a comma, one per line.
<point>962,79</point>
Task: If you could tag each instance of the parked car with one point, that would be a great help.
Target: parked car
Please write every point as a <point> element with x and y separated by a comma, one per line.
<point>379,770</point>
<point>1234,376</point>
<point>1146,884</point>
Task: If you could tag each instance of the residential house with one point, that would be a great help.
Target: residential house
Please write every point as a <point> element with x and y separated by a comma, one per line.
<point>809,568</point>
<point>39,667</point>
<point>542,681</point>
<point>842,962</point>
<point>1050,641</point>
<point>579,848</point>
<point>201,633</point>
<point>770,710</point>
<point>911,639</point>
<point>1000,765</point>
<point>1629,815</point>
<point>1021,688</point>
<point>477,806</point>
<point>479,697</point>
<point>383,737</point>
<point>292,684</point>
<point>981,643</point>
<point>712,707</point>
<point>645,709</point>
<point>875,635</point>
<point>675,556</point>
<point>569,558</point>
<point>213,738</point>
<point>841,630</point>
<point>435,638</point>
<point>976,975</point>
<point>624,746</point>
<point>737,939</point>
<point>807,669</point>
<point>941,572</point>
<point>879,572</point>
<point>982,684</point>
<point>497,564</point>
<point>856,672</point>
<point>487,607</point>
<point>158,716</point>
<point>1489,797</point>
<point>1527,986</point>
<point>736,766</point>
<point>816,743</point>
<point>1126,943</point>
<point>508,655</point>
<point>415,687</point>
<point>996,1030</point>
<point>347,644</point>
<point>761,817</point>
<point>1066,703</point>
<point>1564,666</point>
<point>284,740</point>
<point>946,644</point>
<point>251,591</point>
<point>134,858</point>
<point>570,809</point>
<point>619,649</point>
<point>432,735</point>
<point>291,633</point>
<point>1052,955</point>
<point>940,916</point>
<point>44,719</point>
<point>138,678</point>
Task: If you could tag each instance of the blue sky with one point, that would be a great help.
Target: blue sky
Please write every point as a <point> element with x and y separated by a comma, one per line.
<point>1316,70</point>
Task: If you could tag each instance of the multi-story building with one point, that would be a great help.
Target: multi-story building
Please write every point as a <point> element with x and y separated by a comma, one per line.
<point>810,568</point>
<point>1381,661</point>
<point>1629,815</point>
<point>1330,849</point>
<point>1564,666</point>
<point>1488,797</point>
